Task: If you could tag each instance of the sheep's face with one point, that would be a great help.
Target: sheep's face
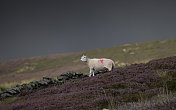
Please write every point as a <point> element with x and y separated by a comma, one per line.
<point>84,58</point>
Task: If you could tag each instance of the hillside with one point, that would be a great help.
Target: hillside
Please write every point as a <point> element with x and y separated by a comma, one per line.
<point>133,83</point>
<point>52,65</point>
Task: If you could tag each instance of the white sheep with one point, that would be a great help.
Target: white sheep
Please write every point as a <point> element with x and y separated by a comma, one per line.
<point>96,64</point>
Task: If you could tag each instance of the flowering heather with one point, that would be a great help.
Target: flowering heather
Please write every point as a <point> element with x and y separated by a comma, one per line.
<point>122,85</point>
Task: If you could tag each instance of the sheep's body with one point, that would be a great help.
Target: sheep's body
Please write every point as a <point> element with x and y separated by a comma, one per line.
<point>98,64</point>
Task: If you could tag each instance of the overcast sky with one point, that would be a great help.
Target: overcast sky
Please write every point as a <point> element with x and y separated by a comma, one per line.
<point>41,27</point>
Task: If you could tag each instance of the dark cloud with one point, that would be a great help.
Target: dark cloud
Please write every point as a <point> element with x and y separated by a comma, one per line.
<point>39,27</point>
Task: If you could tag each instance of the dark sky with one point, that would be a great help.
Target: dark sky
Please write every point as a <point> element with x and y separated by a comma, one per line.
<point>38,27</point>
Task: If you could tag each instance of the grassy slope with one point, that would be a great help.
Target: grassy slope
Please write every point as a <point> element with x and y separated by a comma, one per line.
<point>129,84</point>
<point>122,55</point>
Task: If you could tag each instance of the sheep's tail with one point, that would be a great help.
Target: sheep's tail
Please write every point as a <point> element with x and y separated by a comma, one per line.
<point>113,65</point>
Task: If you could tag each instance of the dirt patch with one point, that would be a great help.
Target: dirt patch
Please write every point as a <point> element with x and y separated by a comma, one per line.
<point>38,75</point>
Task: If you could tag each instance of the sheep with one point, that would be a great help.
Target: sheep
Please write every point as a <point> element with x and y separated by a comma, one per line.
<point>96,64</point>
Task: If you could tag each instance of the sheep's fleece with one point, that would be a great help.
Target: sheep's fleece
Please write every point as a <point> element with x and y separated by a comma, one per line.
<point>96,64</point>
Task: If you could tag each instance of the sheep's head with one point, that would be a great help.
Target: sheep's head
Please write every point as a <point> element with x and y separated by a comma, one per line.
<point>84,58</point>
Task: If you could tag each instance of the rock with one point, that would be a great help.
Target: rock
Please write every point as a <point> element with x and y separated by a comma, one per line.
<point>47,78</point>
<point>12,91</point>
<point>20,87</point>
<point>67,74</point>
<point>61,77</point>
<point>29,86</point>
<point>42,83</point>
<point>50,80</point>
<point>77,75</point>
<point>5,95</point>
<point>46,81</point>
<point>34,85</point>
<point>53,80</point>
<point>64,77</point>
<point>17,89</point>
<point>86,75</point>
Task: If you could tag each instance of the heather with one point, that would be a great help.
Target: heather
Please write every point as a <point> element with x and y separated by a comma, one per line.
<point>162,101</point>
<point>121,86</point>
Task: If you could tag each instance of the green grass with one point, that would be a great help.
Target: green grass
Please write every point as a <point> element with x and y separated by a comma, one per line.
<point>7,85</point>
<point>8,100</point>
<point>141,51</point>
<point>13,84</point>
<point>168,80</point>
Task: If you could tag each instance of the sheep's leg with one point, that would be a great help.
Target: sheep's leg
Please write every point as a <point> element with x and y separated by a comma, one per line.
<point>91,71</point>
<point>109,68</point>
